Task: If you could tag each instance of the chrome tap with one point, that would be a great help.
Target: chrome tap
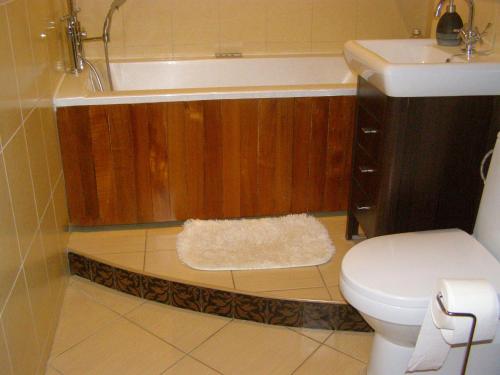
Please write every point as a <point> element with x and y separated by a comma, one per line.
<point>469,34</point>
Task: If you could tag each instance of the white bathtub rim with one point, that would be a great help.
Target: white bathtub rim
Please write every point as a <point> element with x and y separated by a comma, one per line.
<point>62,99</point>
<point>75,90</point>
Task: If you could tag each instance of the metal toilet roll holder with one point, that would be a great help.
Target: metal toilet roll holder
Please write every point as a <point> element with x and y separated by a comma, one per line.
<point>439,299</point>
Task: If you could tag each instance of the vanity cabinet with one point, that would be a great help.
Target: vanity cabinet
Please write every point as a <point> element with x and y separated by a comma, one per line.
<point>416,161</point>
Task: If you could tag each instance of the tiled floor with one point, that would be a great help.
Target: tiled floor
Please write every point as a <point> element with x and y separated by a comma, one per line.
<point>153,251</point>
<point>102,331</point>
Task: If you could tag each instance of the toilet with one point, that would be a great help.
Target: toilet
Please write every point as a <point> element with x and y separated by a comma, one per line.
<point>390,281</point>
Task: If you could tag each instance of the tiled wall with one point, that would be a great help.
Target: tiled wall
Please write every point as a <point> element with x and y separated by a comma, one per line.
<point>33,209</point>
<point>184,28</point>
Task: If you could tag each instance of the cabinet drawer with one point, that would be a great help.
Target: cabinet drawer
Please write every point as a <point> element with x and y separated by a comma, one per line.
<point>369,133</point>
<point>366,172</point>
<point>364,209</point>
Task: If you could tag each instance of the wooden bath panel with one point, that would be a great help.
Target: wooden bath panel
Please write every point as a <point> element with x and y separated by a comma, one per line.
<point>140,163</point>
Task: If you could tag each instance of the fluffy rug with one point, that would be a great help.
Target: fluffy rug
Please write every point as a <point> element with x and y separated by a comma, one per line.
<point>247,244</point>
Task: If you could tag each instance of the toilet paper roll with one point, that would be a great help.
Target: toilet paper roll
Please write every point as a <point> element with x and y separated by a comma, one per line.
<point>478,297</point>
<point>439,331</point>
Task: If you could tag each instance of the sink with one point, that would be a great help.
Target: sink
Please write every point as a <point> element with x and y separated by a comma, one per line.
<point>420,68</point>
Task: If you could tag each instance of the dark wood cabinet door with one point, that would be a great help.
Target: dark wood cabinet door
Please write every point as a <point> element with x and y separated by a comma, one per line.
<point>427,153</point>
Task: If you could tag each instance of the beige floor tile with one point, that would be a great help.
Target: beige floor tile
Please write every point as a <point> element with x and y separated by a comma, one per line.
<point>356,344</point>
<point>335,225</point>
<point>119,302</point>
<point>319,335</point>
<point>133,261</point>
<point>120,348</point>
<point>80,317</point>
<point>51,371</point>
<point>250,348</point>
<point>166,263</point>
<point>5,366</point>
<point>278,279</point>
<point>329,361</point>
<point>162,238</point>
<point>189,366</point>
<point>331,270</point>
<point>182,328</point>
<point>120,241</point>
<point>317,294</point>
<point>335,294</point>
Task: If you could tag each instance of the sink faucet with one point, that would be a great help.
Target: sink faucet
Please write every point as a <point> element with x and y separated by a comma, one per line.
<point>469,34</point>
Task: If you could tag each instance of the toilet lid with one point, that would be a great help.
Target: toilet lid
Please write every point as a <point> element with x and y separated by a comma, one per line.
<point>402,269</point>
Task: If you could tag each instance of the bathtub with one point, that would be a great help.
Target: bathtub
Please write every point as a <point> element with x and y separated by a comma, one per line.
<point>152,81</point>
<point>143,153</point>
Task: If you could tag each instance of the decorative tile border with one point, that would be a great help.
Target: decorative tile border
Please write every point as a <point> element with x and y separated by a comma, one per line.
<point>235,305</point>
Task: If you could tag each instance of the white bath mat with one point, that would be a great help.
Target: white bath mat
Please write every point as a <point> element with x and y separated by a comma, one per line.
<point>282,242</point>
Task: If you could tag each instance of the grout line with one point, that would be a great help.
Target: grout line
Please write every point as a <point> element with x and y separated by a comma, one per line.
<point>4,338</point>
<point>204,364</point>
<point>94,299</point>
<point>95,333</point>
<point>306,359</point>
<point>54,369</point>
<point>175,363</point>
<point>232,278</point>
<point>128,319</point>
<point>325,284</point>
<point>170,343</point>
<point>343,352</point>
<point>145,250</point>
<point>298,331</point>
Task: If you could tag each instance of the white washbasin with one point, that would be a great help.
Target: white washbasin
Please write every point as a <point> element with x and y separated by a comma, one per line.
<point>419,67</point>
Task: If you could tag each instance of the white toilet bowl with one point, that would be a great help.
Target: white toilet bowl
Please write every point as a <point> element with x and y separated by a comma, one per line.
<point>390,280</point>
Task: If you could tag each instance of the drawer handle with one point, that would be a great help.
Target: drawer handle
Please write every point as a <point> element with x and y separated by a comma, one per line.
<point>369,131</point>
<point>365,169</point>
<point>363,208</point>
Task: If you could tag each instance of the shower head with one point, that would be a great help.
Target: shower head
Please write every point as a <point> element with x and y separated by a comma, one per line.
<point>116,4</point>
<point>109,17</point>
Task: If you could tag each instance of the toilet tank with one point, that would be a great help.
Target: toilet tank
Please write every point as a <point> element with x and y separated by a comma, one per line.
<point>487,229</point>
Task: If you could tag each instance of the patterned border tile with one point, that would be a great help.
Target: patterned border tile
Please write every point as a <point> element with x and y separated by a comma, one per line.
<point>218,302</point>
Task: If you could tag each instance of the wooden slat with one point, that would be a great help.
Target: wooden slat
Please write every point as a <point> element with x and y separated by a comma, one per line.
<point>338,167</point>
<point>318,154</point>
<point>283,157</point>
<point>140,117</point>
<point>231,163</point>
<point>301,150</point>
<point>103,163</point>
<point>123,155</point>
<point>248,119</point>
<point>158,162</point>
<point>195,169</point>
<point>176,139</point>
<point>213,161</point>
<point>78,163</point>
<point>268,114</point>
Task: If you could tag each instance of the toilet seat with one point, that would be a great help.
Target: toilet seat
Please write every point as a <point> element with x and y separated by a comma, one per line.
<point>392,277</point>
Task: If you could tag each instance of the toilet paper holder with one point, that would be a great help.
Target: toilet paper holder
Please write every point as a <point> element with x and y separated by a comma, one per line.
<point>439,299</point>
